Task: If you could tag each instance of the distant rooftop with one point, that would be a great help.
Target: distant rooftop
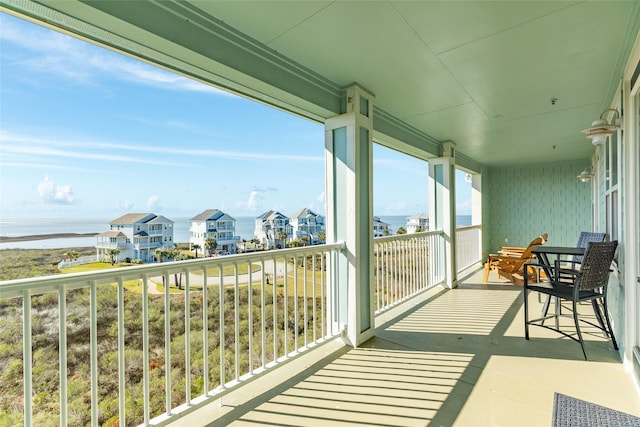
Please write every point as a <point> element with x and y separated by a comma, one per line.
<point>212,215</point>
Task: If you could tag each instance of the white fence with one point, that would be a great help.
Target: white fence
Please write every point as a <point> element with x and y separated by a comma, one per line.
<point>146,343</point>
<point>468,246</point>
<point>87,259</point>
<point>142,352</point>
<point>405,265</point>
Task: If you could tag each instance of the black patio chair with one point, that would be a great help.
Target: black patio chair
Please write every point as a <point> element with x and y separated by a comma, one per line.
<point>589,283</point>
<point>585,238</point>
<point>571,265</point>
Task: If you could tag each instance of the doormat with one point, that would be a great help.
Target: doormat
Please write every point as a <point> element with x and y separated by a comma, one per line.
<point>571,412</point>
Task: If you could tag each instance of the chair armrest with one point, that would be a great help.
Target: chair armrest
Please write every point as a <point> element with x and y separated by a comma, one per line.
<point>562,273</point>
<point>536,266</point>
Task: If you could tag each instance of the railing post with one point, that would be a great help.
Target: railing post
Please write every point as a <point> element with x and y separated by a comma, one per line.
<point>27,358</point>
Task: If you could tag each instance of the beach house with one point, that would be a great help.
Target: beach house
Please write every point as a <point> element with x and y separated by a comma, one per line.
<point>306,223</point>
<point>215,224</point>
<point>417,223</point>
<point>273,229</point>
<point>136,236</point>
<point>380,228</point>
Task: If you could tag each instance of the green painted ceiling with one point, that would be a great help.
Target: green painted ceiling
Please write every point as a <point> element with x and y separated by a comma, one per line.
<point>480,74</point>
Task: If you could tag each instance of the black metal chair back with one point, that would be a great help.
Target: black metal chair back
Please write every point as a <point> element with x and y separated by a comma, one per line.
<point>585,238</point>
<point>594,270</point>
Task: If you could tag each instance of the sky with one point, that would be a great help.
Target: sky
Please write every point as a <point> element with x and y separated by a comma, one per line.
<point>88,133</point>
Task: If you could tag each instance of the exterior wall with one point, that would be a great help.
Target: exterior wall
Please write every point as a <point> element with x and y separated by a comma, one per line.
<point>224,234</point>
<point>616,290</point>
<point>160,235</point>
<point>307,227</point>
<point>267,231</point>
<point>524,202</point>
<point>413,223</point>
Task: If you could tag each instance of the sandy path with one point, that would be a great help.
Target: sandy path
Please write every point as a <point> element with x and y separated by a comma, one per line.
<point>198,279</point>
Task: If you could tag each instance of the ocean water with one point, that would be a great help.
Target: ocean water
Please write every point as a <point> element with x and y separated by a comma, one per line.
<point>38,226</point>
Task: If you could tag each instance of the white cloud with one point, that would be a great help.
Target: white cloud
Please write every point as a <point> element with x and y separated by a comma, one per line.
<point>152,203</point>
<point>34,145</point>
<point>252,202</point>
<point>55,194</point>
<point>126,205</point>
<point>319,204</point>
<point>57,54</point>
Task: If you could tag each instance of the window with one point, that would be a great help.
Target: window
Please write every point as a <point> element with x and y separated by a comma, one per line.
<point>612,199</point>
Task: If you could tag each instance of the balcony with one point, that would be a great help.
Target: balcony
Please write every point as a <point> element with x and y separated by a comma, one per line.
<point>439,356</point>
<point>112,245</point>
<point>445,358</point>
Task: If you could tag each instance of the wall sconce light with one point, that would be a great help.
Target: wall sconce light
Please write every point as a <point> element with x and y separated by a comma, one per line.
<point>601,129</point>
<point>585,175</point>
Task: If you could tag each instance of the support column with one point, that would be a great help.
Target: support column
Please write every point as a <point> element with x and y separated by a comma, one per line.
<point>442,206</point>
<point>349,195</point>
<point>476,209</point>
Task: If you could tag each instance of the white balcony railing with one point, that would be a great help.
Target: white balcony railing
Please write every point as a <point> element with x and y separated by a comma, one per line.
<point>157,350</point>
<point>405,265</point>
<point>468,246</point>
<point>160,351</point>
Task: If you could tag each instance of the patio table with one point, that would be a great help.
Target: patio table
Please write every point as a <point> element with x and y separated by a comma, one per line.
<point>542,254</point>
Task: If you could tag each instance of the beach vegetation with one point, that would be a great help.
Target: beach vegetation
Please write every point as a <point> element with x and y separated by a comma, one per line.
<point>282,236</point>
<point>210,245</point>
<point>301,279</point>
<point>196,247</point>
<point>296,243</point>
<point>23,263</point>
<point>160,254</point>
<point>113,255</point>
<point>45,343</point>
<point>71,255</point>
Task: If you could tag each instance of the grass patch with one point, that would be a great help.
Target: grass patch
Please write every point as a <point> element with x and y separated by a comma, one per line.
<point>229,270</point>
<point>24,263</point>
<point>94,266</point>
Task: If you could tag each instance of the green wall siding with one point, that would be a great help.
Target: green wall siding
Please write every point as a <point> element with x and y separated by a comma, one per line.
<point>521,203</point>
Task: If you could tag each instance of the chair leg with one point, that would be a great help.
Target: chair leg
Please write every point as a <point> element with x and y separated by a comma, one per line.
<point>545,308</point>
<point>526,314</point>
<point>487,268</point>
<point>606,316</point>
<point>596,310</point>
<point>577,323</point>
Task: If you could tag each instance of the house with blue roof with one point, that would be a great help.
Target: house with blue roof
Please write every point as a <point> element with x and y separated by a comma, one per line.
<point>214,223</point>
<point>136,236</point>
